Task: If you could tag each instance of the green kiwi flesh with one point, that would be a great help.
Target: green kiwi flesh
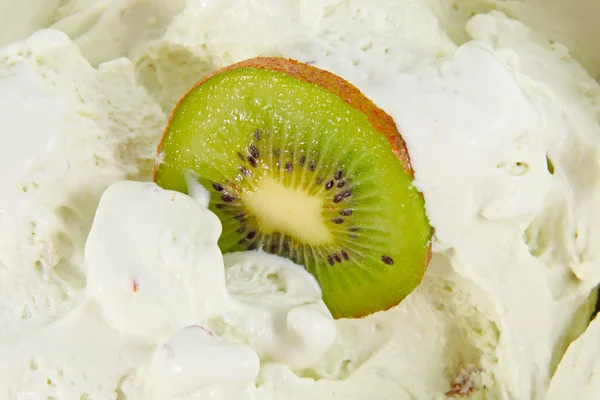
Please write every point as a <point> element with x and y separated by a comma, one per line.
<point>296,169</point>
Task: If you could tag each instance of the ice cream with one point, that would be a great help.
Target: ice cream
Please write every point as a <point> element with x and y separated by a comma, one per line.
<point>103,280</point>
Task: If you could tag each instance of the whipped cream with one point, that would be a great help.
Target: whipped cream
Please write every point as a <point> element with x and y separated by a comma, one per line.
<point>152,260</point>
<point>155,269</point>
<point>103,281</point>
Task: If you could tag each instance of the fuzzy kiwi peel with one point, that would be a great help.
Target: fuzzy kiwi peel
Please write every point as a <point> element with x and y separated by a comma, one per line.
<point>301,164</point>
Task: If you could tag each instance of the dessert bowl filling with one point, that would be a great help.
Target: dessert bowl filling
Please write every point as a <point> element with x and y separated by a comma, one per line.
<point>291,200</point>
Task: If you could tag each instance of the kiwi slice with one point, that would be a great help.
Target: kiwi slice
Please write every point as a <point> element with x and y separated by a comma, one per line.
<point>301,164</point>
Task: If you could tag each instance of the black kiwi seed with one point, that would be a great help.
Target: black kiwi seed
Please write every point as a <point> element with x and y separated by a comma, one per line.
<point>328,185</point>
<point>251,235</point>
<point>340,184</point>
<point>354,229</point>
<point>341,196</point>
<point>253,151</point>
<point>345,255</point>
<point>337,220</point>
<point>273,247</point>
<point>330,260</point>
<point>286,244</point>
<point>387,260</point>
<point>218,187</point>
<point>274,242</point>
<point>244,171</point>
<point>338,175</point>
<point>221,206</point>
<point>312,166</point>
<point>257,134</point>
<point>239,216</point>
<point>346,212</point>
<point>337,257</point>
<point>252,161</point>
<point>227,198</point>
<point>288,167</point>
<point>302,161</point>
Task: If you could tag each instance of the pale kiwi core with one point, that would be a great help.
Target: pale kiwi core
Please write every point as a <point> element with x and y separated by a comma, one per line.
<point>288,210</point>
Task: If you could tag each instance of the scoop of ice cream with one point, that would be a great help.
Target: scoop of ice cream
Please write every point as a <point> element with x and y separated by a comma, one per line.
<point>519,268</point>
<point>68,131</point>
<point>152,260</point>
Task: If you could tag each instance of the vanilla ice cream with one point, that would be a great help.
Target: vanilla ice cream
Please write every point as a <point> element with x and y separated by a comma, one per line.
<point>113,288</point>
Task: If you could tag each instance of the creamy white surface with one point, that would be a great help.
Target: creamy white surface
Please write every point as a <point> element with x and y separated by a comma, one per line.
<point>516,251</point>
<point>66,113</point>
<point>576,376</point>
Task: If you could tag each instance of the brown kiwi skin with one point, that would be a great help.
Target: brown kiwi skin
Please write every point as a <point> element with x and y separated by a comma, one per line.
<point>347,92</point>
